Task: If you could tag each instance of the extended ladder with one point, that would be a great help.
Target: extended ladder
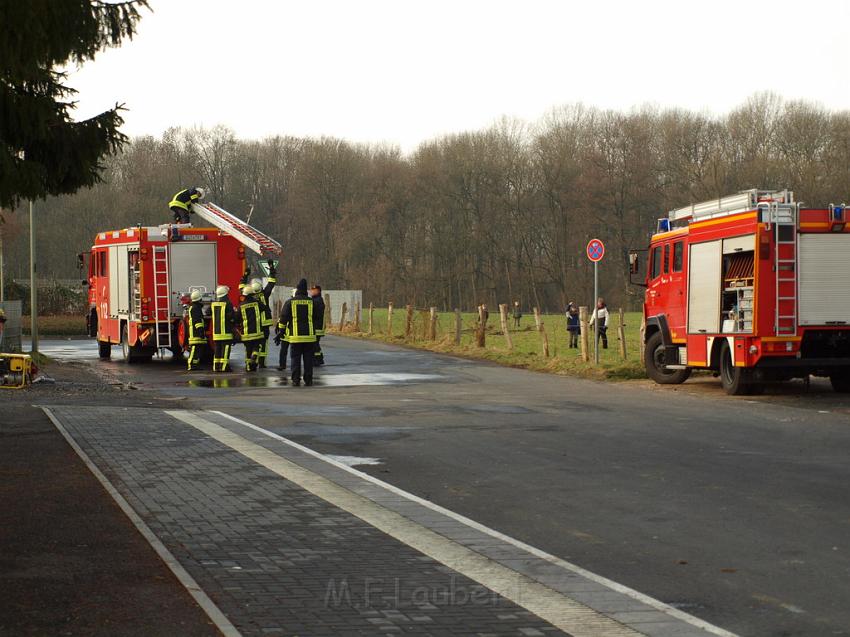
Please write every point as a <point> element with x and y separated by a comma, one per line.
<point>161,297</point>
<point>249,236</point>
<point>785,227</point>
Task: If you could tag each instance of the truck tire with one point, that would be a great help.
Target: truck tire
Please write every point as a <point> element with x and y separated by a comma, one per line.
<point>133,353</point>
<point>104,349</point>
<point>736,381</point>
<point>653,358</point>
<point>840,382</point>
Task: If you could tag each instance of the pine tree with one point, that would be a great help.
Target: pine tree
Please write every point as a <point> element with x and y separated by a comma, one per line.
<point>42,150</point>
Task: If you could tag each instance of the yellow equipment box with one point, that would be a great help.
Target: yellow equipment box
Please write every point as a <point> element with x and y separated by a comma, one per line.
<point>15,371</point>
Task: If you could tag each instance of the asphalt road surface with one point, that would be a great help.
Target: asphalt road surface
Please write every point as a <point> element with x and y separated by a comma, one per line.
<point>735,510</point>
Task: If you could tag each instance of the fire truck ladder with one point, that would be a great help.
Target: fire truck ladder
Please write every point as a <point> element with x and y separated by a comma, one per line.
<point>161,297</point>
<point>785,220</point>
<point>249,236</point>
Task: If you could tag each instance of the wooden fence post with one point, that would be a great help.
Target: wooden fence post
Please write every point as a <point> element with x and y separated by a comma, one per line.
<point>371,317</point>
<point>503,316</point>
<point>582,321</point>
<point>328,317</point>
<point>458,325</point>
<point>408,325</point>
<point>621,333</point>
<point>390,319</point>
<point>545,338</point>
<point>342,317</point>
<point>481,332</point>
<point>357,317</point>
<point>537,321</point>
<point>642,337</point>
<point>432,331</point>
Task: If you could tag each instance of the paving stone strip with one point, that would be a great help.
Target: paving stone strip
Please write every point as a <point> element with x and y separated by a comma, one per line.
<point>240,512</point>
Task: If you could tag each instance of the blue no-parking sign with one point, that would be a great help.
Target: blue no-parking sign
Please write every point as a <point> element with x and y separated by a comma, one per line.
<point>595,250</point>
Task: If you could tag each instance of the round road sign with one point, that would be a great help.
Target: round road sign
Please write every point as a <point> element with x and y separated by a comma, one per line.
<point>595,250</point>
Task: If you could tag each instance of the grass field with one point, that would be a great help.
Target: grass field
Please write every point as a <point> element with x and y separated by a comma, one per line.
<point>62,325</point>
<point>527,342</point>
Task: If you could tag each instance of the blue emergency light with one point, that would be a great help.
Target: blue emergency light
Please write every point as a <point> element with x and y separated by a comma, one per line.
<point>838,213</point>
<point>663,225</point>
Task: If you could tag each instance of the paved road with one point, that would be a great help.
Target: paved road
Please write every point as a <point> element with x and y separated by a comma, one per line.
<point>735,510</point>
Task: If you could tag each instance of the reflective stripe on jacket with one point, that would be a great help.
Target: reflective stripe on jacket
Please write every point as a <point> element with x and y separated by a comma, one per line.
<point>297,315</point>
<point>222,320</point>
<point>251,319</point>
<point>197,334</point>
<point>183,198</point>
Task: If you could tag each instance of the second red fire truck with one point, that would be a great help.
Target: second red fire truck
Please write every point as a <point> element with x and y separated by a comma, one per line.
<point>754,287</point>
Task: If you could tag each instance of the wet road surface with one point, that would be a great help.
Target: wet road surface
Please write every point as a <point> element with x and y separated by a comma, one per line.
<point>734,509</point>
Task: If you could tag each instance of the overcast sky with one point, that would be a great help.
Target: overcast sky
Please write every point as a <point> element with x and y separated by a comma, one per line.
<point>404,71</point>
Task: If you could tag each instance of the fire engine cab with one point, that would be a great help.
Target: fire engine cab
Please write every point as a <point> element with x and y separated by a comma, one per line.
<point>753,287</point>
<point>140,278</point>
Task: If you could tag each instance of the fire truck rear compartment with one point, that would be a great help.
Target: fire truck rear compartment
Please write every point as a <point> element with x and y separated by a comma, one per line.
<point>824,279</point>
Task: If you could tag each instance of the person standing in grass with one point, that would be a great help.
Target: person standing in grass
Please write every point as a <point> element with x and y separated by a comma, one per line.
<point>517,314</point>
<point>573,326</point>
<point>601,314</point>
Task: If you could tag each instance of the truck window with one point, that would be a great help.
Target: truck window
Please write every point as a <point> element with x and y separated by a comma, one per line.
<point>678,252</point>
<point>656,261</point>
<point>667,258</point>
<point>102,261</point>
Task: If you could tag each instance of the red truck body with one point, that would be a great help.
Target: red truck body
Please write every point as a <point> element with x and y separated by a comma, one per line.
<point>755,293</point>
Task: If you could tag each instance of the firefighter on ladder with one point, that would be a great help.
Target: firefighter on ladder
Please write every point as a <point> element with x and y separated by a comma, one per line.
<point>197,334</point>
<point>252,328</point>
<point>181,202</point>
<point>223,319</point>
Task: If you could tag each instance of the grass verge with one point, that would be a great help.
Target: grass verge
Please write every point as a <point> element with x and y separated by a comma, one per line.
<point>527,350</point>
<point>59,325</point>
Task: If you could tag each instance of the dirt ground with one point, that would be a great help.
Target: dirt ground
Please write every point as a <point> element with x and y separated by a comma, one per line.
<point>71,563</point>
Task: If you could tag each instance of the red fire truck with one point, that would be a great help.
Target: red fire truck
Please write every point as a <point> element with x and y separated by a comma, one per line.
<point>140,277</point>
<point>753,287</point>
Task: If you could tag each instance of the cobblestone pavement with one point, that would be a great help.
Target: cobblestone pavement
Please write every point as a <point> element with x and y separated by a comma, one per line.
<point>278,559</point>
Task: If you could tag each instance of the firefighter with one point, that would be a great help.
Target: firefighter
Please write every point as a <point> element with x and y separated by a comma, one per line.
<point>181,202</point>
<point>252,328</point>
<point>223,319</point>
<point>281,338</point>
<point>318,322</point>
<point>197,333</point>
<point>297,316</point>
<point>263,294</point>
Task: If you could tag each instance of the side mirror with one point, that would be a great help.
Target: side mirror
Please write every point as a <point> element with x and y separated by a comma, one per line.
<point>634,264</point>
<point>85,283</point>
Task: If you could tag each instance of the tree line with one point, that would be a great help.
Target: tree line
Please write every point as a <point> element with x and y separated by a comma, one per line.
<point>477,217</point>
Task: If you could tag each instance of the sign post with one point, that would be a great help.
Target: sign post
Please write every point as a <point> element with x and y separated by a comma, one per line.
<point>595,252</point>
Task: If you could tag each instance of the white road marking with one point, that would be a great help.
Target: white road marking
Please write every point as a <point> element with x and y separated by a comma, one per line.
<point>216,616</point>
<point>619,588</point>
<point>553,607</point>
<point>354,461</point>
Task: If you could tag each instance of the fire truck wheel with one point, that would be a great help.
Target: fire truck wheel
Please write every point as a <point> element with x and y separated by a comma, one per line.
<point>655,367</point>
<point>133,353</point>
<point>736,381</point>
<point>104,349</point>
<point>840,382</point>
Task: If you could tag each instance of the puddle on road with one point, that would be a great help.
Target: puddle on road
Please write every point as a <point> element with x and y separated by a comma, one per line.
<point>330,380</point>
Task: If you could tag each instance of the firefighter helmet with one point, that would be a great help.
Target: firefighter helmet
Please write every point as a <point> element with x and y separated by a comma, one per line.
<point>196,295</point>
<point>201,193</point>
<point>221,291</point>
<point>257,287</point>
